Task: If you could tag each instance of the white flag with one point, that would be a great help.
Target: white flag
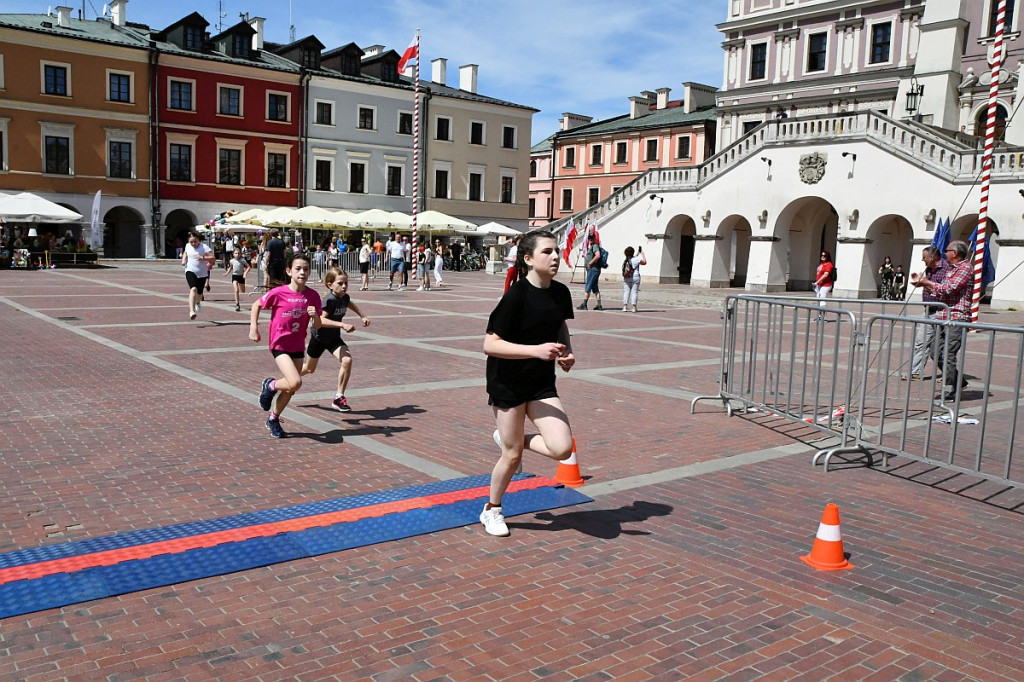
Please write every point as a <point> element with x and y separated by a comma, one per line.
<point>96,227</point>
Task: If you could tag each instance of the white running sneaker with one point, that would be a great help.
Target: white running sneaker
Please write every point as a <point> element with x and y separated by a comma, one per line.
<point>497,438</point>
<point>494,521</point>
<point>199,306</point>
<point>419,288</point>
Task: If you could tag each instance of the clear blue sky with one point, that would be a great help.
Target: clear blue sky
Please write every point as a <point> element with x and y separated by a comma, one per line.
<point>584,57</point>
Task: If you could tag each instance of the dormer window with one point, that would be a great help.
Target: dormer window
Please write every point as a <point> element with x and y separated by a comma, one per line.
<point>240,45</point>
<point>310,59</point>
<point>350,65</point>
<point>193,37</point>
<point>389,72</point>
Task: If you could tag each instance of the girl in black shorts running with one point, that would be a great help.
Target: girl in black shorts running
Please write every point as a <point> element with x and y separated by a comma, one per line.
<point>526,337</point>
<point>328,336</point>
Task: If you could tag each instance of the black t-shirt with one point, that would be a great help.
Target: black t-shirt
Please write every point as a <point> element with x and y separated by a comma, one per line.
<point>531,316</point>
<point>275,250</point>
<point>335,308</point>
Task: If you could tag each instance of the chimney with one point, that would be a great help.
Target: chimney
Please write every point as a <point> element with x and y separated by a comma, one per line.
<point>372,51</point>
<point>64,17</point>
<point>467,77</point>
<point>439,70</point>
<point>570,121</point>
<point>257,39</point>
<point>663,97</point>
<point>640,106</point>
<point>117,12</point>
<point>697,96</point>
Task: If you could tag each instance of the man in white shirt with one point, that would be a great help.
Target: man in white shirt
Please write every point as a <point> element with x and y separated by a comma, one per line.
<point>396,260</point>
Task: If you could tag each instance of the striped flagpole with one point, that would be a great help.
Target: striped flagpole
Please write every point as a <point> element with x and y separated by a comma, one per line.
<point>416,153</point>
<point>986,172</point>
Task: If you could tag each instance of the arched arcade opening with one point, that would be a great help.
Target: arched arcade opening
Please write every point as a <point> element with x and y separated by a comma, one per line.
<point>122,233</point>
<point>804,228</point>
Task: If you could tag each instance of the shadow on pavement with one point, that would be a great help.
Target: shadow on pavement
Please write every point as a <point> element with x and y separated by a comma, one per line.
<point>600,523</point>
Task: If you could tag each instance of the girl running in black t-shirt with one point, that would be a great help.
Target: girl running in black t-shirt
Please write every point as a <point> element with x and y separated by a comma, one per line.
<point>328,336</point>
<point>526,336</point>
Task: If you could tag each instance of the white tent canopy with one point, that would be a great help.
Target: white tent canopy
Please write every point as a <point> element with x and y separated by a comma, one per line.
<point>497,229</point>
<point>428,220</point>
<point>30,208</point>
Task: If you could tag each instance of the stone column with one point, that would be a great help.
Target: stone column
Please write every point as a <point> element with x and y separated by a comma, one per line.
<point>1009,290</point>
<point>710,264</point>
<point>766,269</point>
<point>855,277</point>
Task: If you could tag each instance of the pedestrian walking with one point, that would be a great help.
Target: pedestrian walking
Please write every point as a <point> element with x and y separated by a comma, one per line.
<point>954,290</point>
<point>291,307</point>
<point>592,268</point>
<point>631,276</point>
<point>527,336</point>
<point>407,260</point>
<point>396,261</point>
<point>238,268</point>
<point>510,263</point>
<point>423,267</point>
<point>824,279</point>
<point>365,253</point>
<point>327,337</point>
<point>887,273</point>
<point>438,262</point>
<point>197,258</point>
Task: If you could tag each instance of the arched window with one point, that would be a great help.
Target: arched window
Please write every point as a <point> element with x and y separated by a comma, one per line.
<point>981,122</point>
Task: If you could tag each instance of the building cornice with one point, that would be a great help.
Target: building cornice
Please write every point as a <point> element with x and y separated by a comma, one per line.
<point>774,17</point>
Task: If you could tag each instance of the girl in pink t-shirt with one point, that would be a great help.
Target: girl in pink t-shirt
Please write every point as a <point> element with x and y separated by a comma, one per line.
<point>291,306</point>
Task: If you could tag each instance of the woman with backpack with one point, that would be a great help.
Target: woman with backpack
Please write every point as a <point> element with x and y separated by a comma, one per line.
<point>631,276</point>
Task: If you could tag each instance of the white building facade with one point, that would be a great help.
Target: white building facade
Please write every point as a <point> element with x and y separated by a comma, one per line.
<point>845,125</point>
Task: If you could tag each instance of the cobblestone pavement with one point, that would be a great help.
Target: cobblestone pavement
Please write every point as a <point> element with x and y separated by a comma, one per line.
<point>121,414</point>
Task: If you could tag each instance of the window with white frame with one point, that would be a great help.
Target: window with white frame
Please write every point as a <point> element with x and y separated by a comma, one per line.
<point>508,186</point>
<point>621,152</point>
<point>395,186</point>
<point>229,100</point>
<point>277,164</point>
<point>278,106</point>
<point>881,43</point>
<point>651,150</point>
<point>58,148</point>
<point>120,152</point>
<point>593,195</point>
<point>230,161</point>
<point>596,154</point>
<point>477,132</point>
<point>533,168</point>
<point>476,183</point>
<point>683,147</point>
<point>570,157</point>
<point>405,123</point>
<point>323,172</point>
<point>758,61</point>
<point>179,94</point>
<point>566,199</point>
<point>442,180</point>
<point>508,137</point>
<point>443,128</point>
<point>56,78</point>
<point>120,86</point>
<point>357,177</point>
<point>3,141</point>
<point>817,51</point>
<point>181,159</point>
<point>367,117</point>
<point>993,16</point>
<point>323,112</point>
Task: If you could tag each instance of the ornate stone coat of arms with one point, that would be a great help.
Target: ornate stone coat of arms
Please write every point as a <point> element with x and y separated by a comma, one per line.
<point>812,168</point>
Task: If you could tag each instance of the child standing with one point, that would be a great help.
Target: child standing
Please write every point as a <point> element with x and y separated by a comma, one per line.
<point>526,337</point>
<point>291,307</point>
<point>328,335</point>
<point>238,268</point>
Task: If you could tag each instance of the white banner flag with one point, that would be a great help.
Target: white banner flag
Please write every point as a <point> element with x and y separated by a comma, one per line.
<point>96,227</point>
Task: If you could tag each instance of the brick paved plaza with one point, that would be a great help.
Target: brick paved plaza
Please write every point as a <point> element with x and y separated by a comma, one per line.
<point>120,414</point>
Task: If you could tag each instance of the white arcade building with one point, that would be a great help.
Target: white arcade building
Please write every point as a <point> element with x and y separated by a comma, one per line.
<point>846,125</point>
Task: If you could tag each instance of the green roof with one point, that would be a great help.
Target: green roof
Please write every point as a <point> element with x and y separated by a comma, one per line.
<point>660,118</point>
<point>543,146</point>
<point>100,31</point>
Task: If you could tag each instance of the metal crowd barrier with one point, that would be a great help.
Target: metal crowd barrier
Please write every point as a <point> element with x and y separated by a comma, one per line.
<point>844,368</point>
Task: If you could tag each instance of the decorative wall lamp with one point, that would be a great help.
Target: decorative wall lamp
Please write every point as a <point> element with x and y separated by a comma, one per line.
<point>914,95</point>
<point>660,199</point>
<point>769,162</point>
<point>853,218</point>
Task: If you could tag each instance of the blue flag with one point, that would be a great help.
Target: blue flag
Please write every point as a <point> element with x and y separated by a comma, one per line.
<point>941,238</point>
<point>988,270</point>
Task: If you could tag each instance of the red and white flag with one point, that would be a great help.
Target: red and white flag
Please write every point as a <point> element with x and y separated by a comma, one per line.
<point>411,52</point>
<point>568,240</point>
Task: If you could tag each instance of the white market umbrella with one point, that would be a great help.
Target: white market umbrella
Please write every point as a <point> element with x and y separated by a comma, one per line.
<point>251,215</point>
<point>31,208</point>
<point>282,216</point>
<point>315,216</point>
<point>497,229</point>
<point>435,220</point>
<point>381,219</point>
<point>243,228</point>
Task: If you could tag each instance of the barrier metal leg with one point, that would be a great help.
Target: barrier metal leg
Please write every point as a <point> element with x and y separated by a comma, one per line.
<point>725,402</point>
<point>827,453</point>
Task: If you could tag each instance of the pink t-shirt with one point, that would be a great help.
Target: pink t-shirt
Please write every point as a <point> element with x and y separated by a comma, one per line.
<point>288,316</point>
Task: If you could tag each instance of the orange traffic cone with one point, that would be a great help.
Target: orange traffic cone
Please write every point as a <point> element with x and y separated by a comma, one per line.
<point>827,552</point>
<point>569,470</point>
